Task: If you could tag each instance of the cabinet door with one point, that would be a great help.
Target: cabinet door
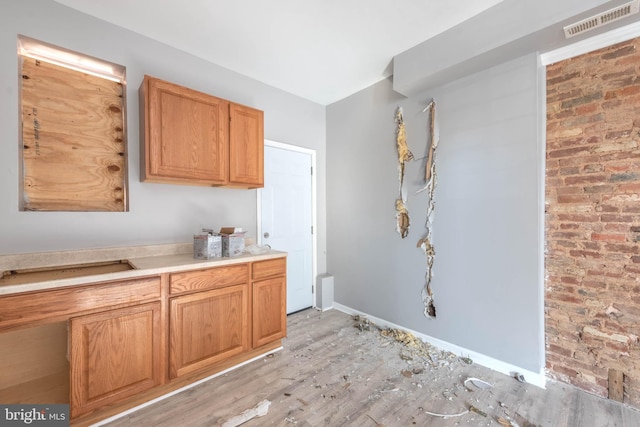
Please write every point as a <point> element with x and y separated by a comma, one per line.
<point>269,311</point>
<point>208,327</point>
<point>246,146</point>
<point>114,355</point>
<point>186,135</point>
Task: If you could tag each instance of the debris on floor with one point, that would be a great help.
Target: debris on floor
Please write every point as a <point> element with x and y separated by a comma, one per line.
<point>477,411</point>
<point>362,323</point>
<point>445,416</point>
<point>483,385</point>
<point>518,376</point>
<point>506,422</point>
<point>260,410</point>
<point>412,347</point>
<point>423,365</point>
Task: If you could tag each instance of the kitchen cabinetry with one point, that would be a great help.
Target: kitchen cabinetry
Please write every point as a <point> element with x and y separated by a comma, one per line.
<point>104,347</point>
<point>246,146</point>
<point>212,323</point>
<point>114,355</point>
<point>269,301</point>
<point>104,319</point>
<point>194,138</point>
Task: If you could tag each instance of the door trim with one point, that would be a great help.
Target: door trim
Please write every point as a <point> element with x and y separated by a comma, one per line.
<point>314,236</point>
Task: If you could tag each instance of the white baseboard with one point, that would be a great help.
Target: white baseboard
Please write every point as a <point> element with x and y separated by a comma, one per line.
<point>531,377</point>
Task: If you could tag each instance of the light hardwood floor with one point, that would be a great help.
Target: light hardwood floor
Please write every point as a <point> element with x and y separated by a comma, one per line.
<point>332,373</point>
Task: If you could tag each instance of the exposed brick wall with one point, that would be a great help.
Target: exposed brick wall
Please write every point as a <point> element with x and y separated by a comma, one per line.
<point>592,296</point>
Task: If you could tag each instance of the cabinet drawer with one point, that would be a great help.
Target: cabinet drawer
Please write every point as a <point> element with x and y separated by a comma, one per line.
<point>209,279</point>
<point>58,304</point>
<point>269,268</point>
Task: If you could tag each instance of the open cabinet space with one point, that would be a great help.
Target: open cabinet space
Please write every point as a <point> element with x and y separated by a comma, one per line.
<point>34,367</point>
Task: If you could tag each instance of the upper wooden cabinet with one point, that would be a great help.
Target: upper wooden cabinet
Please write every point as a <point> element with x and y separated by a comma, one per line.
<point>194,138</point>
<point>246,146</point>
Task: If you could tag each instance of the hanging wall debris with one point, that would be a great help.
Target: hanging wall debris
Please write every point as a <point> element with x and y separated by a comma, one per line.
<point>430,178</point>
<point>404,155</point>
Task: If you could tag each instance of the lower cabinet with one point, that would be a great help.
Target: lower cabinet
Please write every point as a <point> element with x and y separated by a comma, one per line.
<point>269,300</point>
<point>269,311</point>
<point>207,327</point>
<point>114,355</point>
<point>102,345</point>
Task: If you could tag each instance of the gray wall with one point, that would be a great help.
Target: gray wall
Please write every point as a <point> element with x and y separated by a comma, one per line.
<point>159,213</point>
<point>487,281</point>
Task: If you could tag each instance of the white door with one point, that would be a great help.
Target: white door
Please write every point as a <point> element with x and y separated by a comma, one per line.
<point>286,219</point>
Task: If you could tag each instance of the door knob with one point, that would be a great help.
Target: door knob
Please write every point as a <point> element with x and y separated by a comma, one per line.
<point>266,235</point>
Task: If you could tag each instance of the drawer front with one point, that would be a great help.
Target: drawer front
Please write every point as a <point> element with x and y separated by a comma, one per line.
<point>211,278</point>
<point>58,304</point>
<point>269,268</point>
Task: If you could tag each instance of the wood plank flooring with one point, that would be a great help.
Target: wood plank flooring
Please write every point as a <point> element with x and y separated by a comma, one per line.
<point>334,372</point>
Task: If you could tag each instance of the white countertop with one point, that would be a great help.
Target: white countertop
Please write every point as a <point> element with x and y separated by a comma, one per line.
<point>147,260</point>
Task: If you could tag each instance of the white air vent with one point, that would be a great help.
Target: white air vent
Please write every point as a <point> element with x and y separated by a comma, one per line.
<point>630,8</point>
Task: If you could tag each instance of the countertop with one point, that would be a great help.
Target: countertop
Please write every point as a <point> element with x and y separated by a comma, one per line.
<point>147,260</point>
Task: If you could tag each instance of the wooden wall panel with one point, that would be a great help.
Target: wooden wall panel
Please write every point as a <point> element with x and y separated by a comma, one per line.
<point>73,140</point>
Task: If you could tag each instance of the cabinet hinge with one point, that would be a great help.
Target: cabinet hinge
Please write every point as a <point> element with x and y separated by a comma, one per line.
<point>311,170</point>
<point>312,229</point>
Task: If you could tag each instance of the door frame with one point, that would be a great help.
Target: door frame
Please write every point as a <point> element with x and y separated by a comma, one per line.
<point>314,236</point>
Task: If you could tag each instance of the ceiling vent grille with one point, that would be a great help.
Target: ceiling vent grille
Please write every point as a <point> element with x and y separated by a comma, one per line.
<point>630,8</point>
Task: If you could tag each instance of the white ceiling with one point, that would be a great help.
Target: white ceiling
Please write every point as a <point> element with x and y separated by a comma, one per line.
<point>322,50</point>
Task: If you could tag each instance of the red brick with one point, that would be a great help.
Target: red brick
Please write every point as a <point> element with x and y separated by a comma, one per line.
<point>620,248</point>
<point>593,168</point>
<point>573,170</point>
<point>562,351</point>
<point>592,97</point>
<point>616,218</point>
<point>576,120</point>
<point>569,279</point>
<point>569,152</point>
<point>578,217</point>
<point>620,167</point>
<point>628,176</point>
<point>568,190</point>
<point>574,198</point>
<point>578,161</point>
<point>607,208</point>
<point>571,226</point>
<point>585,179</point>
<point>623,228</point>
<point>592,218</point>
<point>623,51</point>
<point>609,237</point>
<point>630,188</point>
<point>563,78</point>
<point>599,189</point>
<point>567,298</point>
<point>586,109</point>
<point>594,284</point>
